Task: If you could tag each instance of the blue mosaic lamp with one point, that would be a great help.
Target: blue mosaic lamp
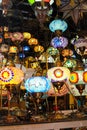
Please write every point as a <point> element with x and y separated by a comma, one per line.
<point>58,24</point>
<point>37,84</point>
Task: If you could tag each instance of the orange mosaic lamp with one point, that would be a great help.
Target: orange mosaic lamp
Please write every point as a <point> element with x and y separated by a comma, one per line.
<point>26,35</point>
<point>33,41</point>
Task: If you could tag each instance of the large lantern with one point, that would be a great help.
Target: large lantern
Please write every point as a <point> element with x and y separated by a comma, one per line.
<point>37,84</point>
<point>10,76</point>
<point>58,74</point>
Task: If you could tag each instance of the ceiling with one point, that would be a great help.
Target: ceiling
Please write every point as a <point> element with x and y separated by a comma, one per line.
<point>21,17</point>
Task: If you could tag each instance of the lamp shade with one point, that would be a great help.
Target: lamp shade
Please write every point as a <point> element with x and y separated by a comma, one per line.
<point>16,36</point>
<point>59,42</point>
<point>38,48</point>
<point>58,24</point>
<point>33,41</point>
<point>37,84</point>
<point>26,35</point>
<point>52,51</point>
<point>78,77</point>
<point>13,49</point>
<point>70,63</point>
<point>58,74</point>
<point>11,75</point>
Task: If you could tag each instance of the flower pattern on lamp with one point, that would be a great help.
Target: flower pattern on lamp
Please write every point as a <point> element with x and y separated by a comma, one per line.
<point>58,24</point>
<point>79,80</point>
<point>59,42</point>
<point>78,77</point>
<point>11,75</point>
<point>58,74</point>
<point>37,84</point>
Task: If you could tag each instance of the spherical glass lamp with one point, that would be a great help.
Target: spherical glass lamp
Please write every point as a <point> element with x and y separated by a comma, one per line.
<point>37,84</point>
<point>59,42</point>
<point>58,24</point>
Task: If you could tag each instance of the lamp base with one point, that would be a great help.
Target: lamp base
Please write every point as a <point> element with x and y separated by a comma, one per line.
<point>11,119</point>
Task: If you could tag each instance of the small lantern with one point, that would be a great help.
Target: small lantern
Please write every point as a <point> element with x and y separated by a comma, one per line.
<point>16,36</point>
<point>26,35</point>
<point>33,41</point>
<point>59,42</point>
<point>38,48</point>
<point>52,51</point>
<point>13,49</point>
<point>58,24</point>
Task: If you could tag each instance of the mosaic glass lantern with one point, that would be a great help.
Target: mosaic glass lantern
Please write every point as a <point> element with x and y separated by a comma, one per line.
<point>16,36</point>
<point>33,41</point>
<point>13,49</point>
<point>37,84</point>
<point>70,63</point>
<point>26,35</point>
<point>58,74</point>
<point>58,24</point>
<point>38,48</point>
<point>79,79</point>
<point>10,76</point>
<point>52,51</point>
<point>59,42</point>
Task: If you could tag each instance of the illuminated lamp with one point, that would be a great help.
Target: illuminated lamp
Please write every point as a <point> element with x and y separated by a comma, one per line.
<point>58,74</point>
<point>58,24</point>
<point>10,76</point>
<point>59,42</point>
<point>4,48</point>
<point>70,63</point>
<point>37,84</point>
<point>13,49</point>
<point>79,79</point>
<point>34,65</point>
<point>81,46</point>
<point>26,48</point>
<point>21,55</point>
<point>52,51</point>
<point>26,35</point>
<point>33,41</point>
<point>6,35</point>
<point>46,58</point>
<point>67,52</point>
<point>38,48</point>
<point>16,36</point>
